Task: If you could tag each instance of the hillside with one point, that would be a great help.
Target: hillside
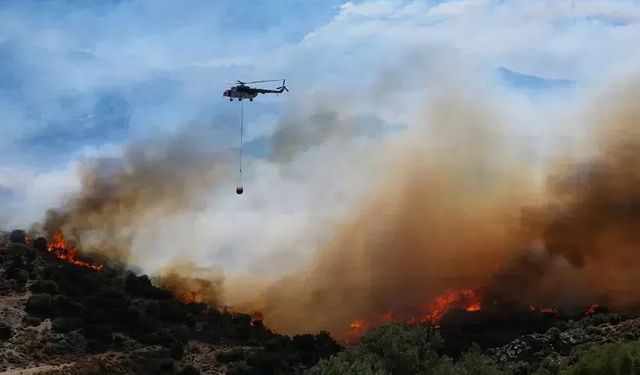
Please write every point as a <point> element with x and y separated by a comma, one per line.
<point>62,318</point>
<point>59,317</point>
<point>598,344</point>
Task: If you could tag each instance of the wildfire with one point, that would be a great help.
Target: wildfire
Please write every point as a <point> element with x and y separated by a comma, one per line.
<point>465,299</point>
<point>431,313</point>
<point>67,252</point>
<point>358,327</point>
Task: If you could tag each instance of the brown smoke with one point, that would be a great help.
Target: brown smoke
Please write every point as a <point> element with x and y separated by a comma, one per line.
<point>441,219</point>
<point>462,215</point>
<point>191,283</point>
<point>453,206</point>
<point>155,178</point>
<point>590,226</point>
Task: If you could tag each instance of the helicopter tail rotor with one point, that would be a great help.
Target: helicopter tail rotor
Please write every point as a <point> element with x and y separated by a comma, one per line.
<point>283,87</point>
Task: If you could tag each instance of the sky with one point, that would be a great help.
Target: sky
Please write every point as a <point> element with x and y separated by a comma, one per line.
<point>83,79</point>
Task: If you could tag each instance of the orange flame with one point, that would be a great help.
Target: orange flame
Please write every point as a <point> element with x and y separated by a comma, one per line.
<point>465,299</point>
<point>67,252</point>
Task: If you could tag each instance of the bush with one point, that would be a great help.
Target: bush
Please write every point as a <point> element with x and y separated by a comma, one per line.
<point>18,236</point>
<point>619,358</point>
<point>264,362</point>
<point>41,244</point>
<point>389,349</point>
<point>172,310</point>
<point>232,355</point>
<point>472,362</point>
<point>45,286</point>
<point>5,331</point>
<point>189,370</point>
<point>597,319</point>
<point>31,320</point>
<point>40,304</point>
<point>21,276</point>
<point>65,305</point>
<point>165,338</point>
<point>63,325</point>
<point>239,368</point>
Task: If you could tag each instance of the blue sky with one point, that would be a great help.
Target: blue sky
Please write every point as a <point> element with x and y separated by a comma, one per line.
<point>80,79</point>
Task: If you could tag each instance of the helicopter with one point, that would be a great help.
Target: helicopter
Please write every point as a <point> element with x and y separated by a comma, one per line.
<point>242,91</point>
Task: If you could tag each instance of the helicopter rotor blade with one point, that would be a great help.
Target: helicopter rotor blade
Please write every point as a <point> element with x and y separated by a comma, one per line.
<point>267,80</point>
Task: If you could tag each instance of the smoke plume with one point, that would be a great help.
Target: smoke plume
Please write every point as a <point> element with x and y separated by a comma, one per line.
<point>155,178</point>
<point>392,221</point>
<point>462,214</point>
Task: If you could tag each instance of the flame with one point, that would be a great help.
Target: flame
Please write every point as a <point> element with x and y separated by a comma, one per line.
<point>67,252</point>
<point>431,313</point>
<point>474,307</point>
<point>358,327</point>
<point>592,309</point>
<point>465,299</point>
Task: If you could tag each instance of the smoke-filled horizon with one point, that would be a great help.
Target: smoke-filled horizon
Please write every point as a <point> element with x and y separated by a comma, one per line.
<point>343,222</point>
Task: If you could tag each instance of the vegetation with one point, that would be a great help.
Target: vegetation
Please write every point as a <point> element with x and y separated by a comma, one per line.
<point>95,311</point>
<point>620,358</point>
<point>402,349</point>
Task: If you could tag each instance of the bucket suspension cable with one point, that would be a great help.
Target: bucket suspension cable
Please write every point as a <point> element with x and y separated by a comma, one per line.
<point>240,189</point>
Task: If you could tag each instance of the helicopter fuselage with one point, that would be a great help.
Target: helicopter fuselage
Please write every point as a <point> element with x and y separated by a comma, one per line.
<point>243,91</point>
<point>240,92</point>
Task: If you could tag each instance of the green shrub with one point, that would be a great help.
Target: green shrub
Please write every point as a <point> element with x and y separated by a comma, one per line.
<point>389,349</point>
<point>472,362</point>
<point>355,360</point>
<point>239,368</point>
<point>401,349</point>
<point>63,325</point>
<point>40,304</point>
<point>189,370</point>
<point>619,358</point>
<point>44,286</point>
<point>232,355</point>
<point>597,319</point>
